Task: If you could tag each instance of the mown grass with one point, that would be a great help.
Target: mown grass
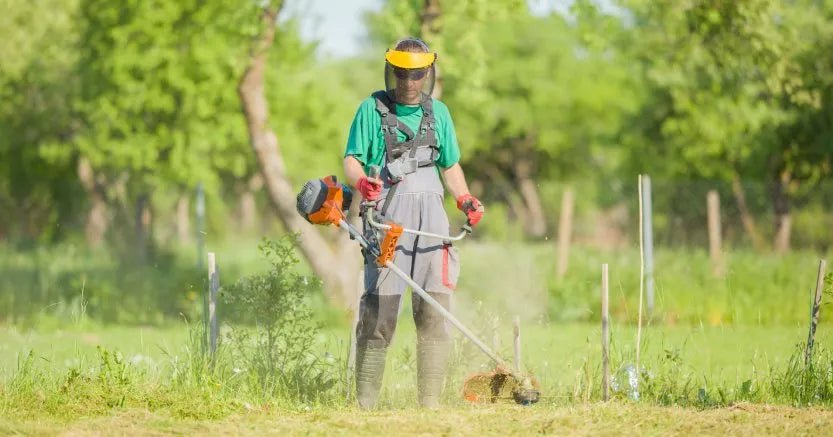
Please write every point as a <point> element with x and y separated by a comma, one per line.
<point>617,418</point>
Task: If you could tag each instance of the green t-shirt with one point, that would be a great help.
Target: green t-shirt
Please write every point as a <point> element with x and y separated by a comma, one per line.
<point>367,142</point>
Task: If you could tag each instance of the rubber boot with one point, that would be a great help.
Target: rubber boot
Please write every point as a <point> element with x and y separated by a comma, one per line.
<point>432,364</point>
<point>370,367</point>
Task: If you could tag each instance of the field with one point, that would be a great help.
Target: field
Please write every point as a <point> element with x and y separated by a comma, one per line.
<point>586,419</point>
<point>711,356</point>
<point>719,355</point>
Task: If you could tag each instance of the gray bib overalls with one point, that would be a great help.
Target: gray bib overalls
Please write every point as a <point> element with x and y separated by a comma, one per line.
<point>412,197</point>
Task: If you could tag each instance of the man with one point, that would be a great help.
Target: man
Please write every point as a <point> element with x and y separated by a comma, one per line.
<point>411,137</point>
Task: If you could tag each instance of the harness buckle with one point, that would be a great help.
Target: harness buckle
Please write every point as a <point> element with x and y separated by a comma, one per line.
<point>398,169</point>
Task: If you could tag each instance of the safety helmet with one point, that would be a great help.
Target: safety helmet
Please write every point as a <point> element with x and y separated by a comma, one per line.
<point>409,71</point>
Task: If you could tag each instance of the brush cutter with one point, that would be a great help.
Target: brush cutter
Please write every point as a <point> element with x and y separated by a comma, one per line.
<point>323,202</point>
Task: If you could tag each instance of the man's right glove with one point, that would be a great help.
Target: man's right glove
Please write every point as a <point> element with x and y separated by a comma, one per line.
<point>371,188</point>
<point>471,207</point>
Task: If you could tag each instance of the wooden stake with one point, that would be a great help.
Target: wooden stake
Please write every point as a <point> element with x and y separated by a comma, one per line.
<point>713,207</point>
<point>814,314</point>
<point>213,287</point>
<point>200,211</point>
<point>641,282</point>
<point>605,336</point>
<point>647,227</point>
<point>495,335</point>
<point>351,357</point>
<point>565,229</point>
<point>517,331</point>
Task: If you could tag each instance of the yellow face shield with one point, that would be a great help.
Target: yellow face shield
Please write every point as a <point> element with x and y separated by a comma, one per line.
<point>410,60</point>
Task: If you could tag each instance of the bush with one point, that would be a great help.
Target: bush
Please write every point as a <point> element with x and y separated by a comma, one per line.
<point>275,338</point>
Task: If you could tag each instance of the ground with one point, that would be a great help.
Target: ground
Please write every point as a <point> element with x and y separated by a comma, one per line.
<point>592,419</point>
<point>727,339</point>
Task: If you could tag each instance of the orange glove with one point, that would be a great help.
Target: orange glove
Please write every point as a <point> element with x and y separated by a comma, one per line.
<point>471,207</point>
<point>371,188</point>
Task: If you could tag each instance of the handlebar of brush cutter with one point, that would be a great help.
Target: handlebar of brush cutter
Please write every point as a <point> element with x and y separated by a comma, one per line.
<point>431,301</point>
<point>375,172</point>
<point>465,230</point>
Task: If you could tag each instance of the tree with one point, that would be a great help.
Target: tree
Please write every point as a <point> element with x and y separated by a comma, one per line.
<point>37,189</point>
<point>157,104</point>
<point>721,80</point>
<point>327,261</point>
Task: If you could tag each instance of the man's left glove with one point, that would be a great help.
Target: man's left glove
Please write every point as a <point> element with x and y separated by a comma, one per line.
<point>471,207</point>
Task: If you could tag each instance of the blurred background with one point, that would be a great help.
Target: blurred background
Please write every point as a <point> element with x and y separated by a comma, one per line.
<point>136,136</point>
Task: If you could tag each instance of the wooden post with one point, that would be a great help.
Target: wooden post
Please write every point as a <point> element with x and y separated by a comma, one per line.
<point>565,229</point>
<point>351,358</point>
<point>605,336</point>
<point>200,210</point>
<point>495,335</point>
<point>648,242</point>
<point>517,332</point>
<point>713,207</point>
<point>814,314</point>
<point>213,287</point>
<point>641,272</point>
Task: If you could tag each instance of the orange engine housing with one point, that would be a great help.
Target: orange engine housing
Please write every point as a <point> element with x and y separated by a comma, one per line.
<point>330,212</point>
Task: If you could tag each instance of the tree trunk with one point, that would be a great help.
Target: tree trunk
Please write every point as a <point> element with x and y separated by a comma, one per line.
<point>247,209</point>
<point>430,30</point>
<point>144,219</point>
<point>536,223</point>
<point>338,275</point>
<point>96,225</point>
<point>783,220</point>
<point>183,219</point>
<point>517,208</point>
<point>745,217</point>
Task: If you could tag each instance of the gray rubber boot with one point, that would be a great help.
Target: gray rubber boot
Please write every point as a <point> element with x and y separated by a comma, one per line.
<point>432,364</point>
<point>370,367</point>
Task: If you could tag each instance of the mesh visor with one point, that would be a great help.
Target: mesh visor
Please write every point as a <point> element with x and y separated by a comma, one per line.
<point>408,85</point>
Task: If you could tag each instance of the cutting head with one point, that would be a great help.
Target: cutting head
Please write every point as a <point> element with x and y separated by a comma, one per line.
<point>501,385</point>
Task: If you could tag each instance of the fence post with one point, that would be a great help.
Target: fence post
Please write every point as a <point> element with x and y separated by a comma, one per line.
<point>713,207</point>
<point>200,210</point>
<point>351,358</point>
<point>213,287</point>
<point>565,229</point>
<point>648,242</point>
<point>605,336</point>
<point>517,331</point>
<point>814,313</point>
<point>495,335</point>
<point>642,263</point>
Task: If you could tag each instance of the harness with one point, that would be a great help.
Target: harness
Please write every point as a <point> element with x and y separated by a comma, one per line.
<point>401,157</point>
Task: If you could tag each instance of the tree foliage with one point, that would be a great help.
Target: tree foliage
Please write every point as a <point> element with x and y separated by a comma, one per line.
<point>146,92</point>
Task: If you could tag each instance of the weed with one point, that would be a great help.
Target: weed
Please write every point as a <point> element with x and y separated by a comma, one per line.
<point>276,347</point>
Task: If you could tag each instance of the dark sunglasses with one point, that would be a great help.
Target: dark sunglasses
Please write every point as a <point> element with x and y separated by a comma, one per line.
<point>412,74</point>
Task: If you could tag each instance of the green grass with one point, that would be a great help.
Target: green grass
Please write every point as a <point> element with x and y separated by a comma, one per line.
<point>53,287</point>
<point>565,358</point>
<point>756,289</point>
<point>720,346</point>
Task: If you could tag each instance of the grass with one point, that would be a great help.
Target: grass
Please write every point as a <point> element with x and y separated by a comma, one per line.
<point>591,419</point>
<point>51,287</point>
<point>564,357</point>
<point>727,348</point>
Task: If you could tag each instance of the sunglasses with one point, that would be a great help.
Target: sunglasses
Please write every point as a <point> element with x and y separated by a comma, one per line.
<point>410,74</point>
